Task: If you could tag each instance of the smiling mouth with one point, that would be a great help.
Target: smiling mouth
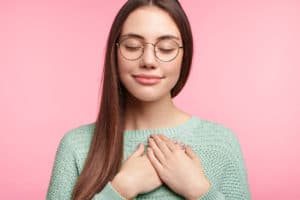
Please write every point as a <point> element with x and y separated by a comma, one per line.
<point>147,80</point>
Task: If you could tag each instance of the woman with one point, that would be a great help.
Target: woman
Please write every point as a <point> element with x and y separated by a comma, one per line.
<point>148,58</point>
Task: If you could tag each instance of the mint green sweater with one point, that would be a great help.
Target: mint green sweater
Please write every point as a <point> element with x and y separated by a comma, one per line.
<point>216,145</point>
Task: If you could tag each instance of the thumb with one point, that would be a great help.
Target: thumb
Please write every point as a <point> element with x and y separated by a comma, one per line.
<point>139,151</point>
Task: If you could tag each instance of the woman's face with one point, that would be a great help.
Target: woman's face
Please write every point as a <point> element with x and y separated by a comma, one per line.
<point>145,76</point>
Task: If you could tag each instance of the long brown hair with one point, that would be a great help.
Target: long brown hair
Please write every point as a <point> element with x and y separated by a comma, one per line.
<point>106,151</point>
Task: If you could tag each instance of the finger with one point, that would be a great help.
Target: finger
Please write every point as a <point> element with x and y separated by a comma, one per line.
<point>190,153</point>
<point>154,161</point>
<point>139,151</point>
<point>170,143</point>
<point>179,146</point>
<point>161,145</point>
<point>156,150</point>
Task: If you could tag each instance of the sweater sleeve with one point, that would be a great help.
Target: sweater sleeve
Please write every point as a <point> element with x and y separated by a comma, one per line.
<point>234,184</point>
<point>65,173</point>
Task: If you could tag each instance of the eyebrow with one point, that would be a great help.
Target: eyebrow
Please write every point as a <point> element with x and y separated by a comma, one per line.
<point>168,36</point>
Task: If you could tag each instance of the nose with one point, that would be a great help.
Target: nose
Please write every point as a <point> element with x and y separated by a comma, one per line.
<point>148,58</point>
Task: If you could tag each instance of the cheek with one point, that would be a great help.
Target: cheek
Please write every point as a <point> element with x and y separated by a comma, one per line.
<point>123,66</point>
<point>175,68</point>
<point>174,72</point>
<point>126,66</point>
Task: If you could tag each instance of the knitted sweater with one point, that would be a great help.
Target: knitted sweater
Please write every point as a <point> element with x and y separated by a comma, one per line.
<point>217,147</point>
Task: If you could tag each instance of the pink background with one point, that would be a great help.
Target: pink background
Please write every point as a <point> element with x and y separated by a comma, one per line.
<point>246,74</point>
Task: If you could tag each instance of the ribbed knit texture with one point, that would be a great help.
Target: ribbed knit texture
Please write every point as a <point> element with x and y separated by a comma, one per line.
<point>216,146</point>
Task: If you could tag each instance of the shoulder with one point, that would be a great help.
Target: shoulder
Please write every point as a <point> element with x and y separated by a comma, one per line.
<point>214,132</point>
<point>217,139</point>
<point>77,136</point>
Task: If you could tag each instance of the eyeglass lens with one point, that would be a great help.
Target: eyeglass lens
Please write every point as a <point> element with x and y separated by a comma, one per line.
<point>133,48</point>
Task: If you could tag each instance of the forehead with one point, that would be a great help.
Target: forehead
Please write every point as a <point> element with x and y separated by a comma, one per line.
<point>151,23</point>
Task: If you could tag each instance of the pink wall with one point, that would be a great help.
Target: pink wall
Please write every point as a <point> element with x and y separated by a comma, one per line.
<point>245,75</point>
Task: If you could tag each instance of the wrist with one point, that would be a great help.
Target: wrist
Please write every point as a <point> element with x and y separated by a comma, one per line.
<point>123,187</point>
<point>196,194</point>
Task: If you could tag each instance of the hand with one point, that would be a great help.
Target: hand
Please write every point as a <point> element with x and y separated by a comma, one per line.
<point>180,170</point>
<point>136,175</point>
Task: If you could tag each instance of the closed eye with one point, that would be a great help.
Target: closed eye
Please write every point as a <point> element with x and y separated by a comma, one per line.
<point>132,48</point>
<point>166,50</point>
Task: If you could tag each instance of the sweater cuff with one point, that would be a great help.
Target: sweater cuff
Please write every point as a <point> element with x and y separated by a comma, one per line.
<point>109,192</point>
<point>212,194</point>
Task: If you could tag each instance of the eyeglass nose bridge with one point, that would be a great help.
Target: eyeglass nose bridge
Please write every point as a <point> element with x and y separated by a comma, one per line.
<point>154,51</point>
<point>145,43</point>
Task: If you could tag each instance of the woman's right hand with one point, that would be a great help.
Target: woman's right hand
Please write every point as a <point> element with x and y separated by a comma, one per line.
<point>137,175</point>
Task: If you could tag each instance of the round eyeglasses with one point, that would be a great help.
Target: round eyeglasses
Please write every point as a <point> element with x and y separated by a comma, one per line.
<point>165,50</point>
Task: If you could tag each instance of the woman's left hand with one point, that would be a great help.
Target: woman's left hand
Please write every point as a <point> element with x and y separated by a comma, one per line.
<point>179,168</point>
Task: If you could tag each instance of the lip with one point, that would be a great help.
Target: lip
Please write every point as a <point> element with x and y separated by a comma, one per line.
<point>147,79</point>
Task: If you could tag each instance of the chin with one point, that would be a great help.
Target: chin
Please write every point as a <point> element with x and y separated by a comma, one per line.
<point>148,97</point>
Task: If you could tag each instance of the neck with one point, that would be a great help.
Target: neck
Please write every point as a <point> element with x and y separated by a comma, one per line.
<point>149,115</point>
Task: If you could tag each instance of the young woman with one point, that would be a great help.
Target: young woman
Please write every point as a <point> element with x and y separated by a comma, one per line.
<point>142,146</point>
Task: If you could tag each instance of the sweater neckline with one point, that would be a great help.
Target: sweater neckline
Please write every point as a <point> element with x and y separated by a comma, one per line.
<point>168,130</point>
